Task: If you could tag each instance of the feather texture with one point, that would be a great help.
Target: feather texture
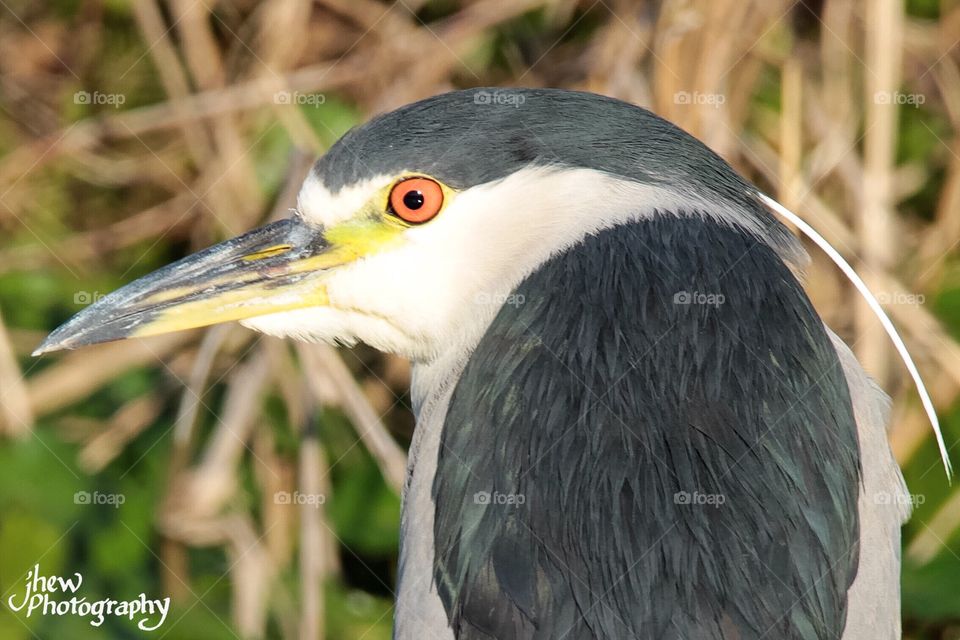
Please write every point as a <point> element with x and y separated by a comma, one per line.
<point>627,456</point>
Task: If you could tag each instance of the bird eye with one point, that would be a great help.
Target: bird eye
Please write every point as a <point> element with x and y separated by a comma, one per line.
<point>416,200</point>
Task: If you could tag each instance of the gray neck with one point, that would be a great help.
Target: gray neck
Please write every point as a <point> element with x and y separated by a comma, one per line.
<point>419,610</point>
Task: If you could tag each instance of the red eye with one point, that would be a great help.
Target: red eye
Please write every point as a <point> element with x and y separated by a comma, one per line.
<point>416,200</point>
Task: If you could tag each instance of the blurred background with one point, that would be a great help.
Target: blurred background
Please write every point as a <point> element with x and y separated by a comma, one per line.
<point>256,482</point>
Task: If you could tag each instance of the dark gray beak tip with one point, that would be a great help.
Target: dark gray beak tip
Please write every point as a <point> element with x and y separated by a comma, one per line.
<point>94,324</point>
<point>57,341</point>
<point>43,348</point>
<point>49,346</point>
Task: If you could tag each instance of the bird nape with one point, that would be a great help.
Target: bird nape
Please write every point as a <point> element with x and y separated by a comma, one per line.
<point>631,422</point>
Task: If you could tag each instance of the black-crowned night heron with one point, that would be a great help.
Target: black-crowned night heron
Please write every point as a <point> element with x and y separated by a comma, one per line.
<point>631,422</point>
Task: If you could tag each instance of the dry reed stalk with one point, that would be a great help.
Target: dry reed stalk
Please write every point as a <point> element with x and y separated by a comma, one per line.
<point>16,415</point>
<point>166,220</point>
<point>125,425</point>
<point>191,398</point>
<point>876,224</point>
<point>251,572</point>
<point>720,52</point>
<point>445,44</point>
<point>174,569</point>
<point>930,540</point>
<point>791,135</point>
<point>613,58</point>
<point>78,374</point>
<point>172,75</point>
<point>282,36</point>
<point>910,425</point>
<point>274,474</point>
<point>213,480</point>
<point>942,238</point>
<point>288,380</point>
<point>316,542</point>
<point>107,169</point>
<point>333,384</point>
<point>235,191</point>
<point>837,105</point>
<point>924,330</point>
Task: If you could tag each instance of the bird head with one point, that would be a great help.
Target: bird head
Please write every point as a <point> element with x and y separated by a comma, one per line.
<point>414,229</point>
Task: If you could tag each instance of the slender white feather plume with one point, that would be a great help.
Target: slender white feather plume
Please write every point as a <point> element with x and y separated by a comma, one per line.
<point>891,330</point>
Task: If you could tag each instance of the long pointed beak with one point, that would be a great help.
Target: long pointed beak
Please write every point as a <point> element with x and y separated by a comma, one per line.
<point>277,267</point>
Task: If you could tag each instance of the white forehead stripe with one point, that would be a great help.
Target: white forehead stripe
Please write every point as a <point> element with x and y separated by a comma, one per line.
<point>627,199</point>
<point>317,204</point>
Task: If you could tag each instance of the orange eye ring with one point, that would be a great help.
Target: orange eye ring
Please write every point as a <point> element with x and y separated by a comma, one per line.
<point>416,200</point>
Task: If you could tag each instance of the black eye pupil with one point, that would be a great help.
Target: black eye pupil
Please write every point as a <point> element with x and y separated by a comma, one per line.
<point>413,199</point>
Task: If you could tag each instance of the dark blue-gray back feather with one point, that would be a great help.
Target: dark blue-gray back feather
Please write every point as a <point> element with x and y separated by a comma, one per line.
<point>602,400</point>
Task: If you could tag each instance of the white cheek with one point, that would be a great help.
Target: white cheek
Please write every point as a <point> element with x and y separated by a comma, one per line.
<point>414,286</point>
